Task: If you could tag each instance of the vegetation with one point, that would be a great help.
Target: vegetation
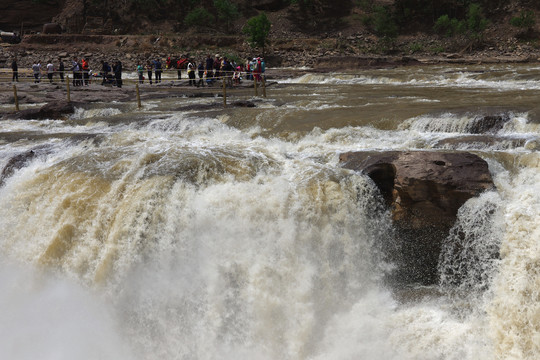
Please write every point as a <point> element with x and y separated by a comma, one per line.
<point>476,22</point>
<point>415,47</point>
<point>448,27</point>
<point>227,12</point>
<point>317,15</point>
<point>473,25</point>
<point>257,29</point>
<point>384,23</point>
<point>461,21</point>
<point>199,17</point>
<point>525,20</point>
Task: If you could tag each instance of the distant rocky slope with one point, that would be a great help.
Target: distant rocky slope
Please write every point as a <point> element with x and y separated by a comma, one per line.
<point>342,38</point>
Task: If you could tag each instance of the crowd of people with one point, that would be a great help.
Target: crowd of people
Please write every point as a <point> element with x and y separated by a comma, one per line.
<point>203,73</point>
<point>206,71</point>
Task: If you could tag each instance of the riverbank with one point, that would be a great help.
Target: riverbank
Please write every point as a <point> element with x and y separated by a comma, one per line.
<point>358,50</point>
<point>33,95</point>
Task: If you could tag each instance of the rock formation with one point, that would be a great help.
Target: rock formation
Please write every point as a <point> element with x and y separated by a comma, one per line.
<point>52,110</point>
<point>424,191</point>
<point>15,163</point>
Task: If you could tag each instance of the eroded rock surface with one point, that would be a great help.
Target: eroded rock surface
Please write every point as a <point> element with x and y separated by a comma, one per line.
<point>52,110</point>
<point>424,191</point>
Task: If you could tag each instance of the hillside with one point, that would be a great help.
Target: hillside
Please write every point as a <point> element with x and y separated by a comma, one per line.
<point>303,32</point>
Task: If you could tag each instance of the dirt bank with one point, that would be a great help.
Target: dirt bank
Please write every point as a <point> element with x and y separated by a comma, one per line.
<point>327,54</point>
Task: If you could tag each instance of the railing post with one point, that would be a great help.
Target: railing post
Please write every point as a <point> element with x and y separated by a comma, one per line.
<point>138,96</point>
<point>15,97</point>
<point>68,92</point>
<point>255,84</point>
<point>224,93</point>
<point>263,85</point>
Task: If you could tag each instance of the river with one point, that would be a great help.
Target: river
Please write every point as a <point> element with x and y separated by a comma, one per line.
<point>235,234</point>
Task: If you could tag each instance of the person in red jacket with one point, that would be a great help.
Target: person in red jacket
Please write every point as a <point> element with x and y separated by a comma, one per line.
<point>85,70</point>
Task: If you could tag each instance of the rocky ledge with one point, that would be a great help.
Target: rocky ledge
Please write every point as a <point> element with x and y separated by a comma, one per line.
<point>424,191</point>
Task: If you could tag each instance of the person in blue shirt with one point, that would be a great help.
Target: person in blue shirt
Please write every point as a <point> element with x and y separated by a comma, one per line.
<point>118,73</point>
<point>157,69</point>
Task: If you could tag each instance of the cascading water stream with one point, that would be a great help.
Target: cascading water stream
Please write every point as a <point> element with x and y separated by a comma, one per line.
<point>239,235</point>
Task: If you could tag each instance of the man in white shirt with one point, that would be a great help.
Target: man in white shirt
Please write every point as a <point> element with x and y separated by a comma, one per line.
<point>36,68</point>
<point>50,71</point>
<point>191,72</point>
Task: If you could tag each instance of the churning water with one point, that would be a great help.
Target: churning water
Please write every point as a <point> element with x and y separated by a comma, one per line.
<point>235,234</point>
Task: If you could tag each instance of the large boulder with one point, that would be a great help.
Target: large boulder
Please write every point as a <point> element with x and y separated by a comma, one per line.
<point>52,28</point>
<point>15,163</point>
<point>52,110</point>
<point>487,124</point>
<point>424,190</point>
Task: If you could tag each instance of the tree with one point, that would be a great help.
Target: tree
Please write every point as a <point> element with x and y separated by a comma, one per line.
<point>476,22</point>
<point>226,12</point>
<point>198,17</point>
<point>257,29</point>
<point>384,23</point>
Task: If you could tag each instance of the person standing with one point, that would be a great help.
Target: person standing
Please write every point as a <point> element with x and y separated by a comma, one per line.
<point>157,68</point>
<point>15,69</point>
<point>247,68</point>
<point>36,69</point>
<point>217,67</point>
<point>179,65</point>
<point>105,70</point>
<point>209,69</point>
<point>76,71</point>
<point>118,73</point>
<point>200,69</point>
<point>85,71</point>
<point>227,70</point>
<point>140,71</point>
<point>263,68</point>
<point>237,75</point>
<point>50,71</point>
<point>149,71</point>
<point>256,68</point>
<point>61,69</point>
<point>191,72</point>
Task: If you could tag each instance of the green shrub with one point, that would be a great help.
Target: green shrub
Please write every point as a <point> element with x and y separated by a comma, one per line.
<point>449,27</point>
<point>415,47</point>
<point>476,23</point>
<point>365,5</point>
<point>525,20</point>
<point>199,17</point>
<point>367,20</point>
<point>443,26</point>
<point>436,49</point>
<point>384,23</point>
